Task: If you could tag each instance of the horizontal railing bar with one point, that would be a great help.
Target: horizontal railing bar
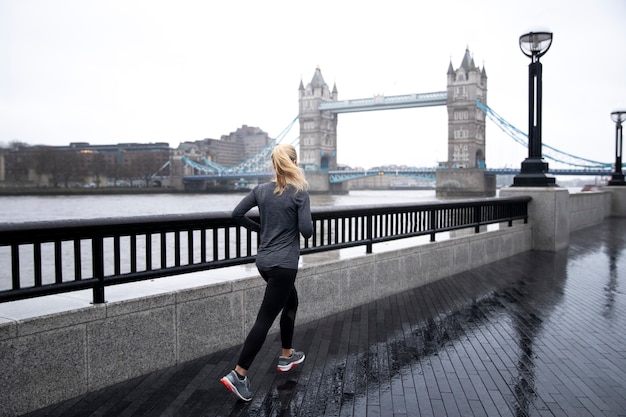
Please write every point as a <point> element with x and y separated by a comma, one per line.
<point>47,289</point>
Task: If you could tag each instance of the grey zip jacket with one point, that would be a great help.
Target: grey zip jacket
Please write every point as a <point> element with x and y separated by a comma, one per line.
<point>283,218</point>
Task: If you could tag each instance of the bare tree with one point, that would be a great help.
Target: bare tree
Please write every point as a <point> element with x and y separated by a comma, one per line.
<point>70,167</point>
<point>16,162</point>
<point>98,167</point>
<point>47,161</point>
<point>147,165</point>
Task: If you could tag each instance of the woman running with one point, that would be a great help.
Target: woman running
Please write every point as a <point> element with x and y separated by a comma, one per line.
<point>285,214</point>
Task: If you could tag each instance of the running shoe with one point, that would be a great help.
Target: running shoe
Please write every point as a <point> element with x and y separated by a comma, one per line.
<point>285,363</point>
<point>239,387</point>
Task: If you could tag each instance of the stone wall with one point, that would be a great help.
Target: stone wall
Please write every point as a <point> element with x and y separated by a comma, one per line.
<point>555,213</point>
<point>587,209</point>
<point>464,183</point>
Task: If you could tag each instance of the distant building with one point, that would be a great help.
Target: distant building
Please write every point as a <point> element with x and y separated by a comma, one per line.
<point>81,163</point>
<point>138,159</point>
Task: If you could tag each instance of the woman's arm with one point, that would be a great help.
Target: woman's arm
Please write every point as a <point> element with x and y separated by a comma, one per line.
<point>239,213</point>
<point>305,223</point>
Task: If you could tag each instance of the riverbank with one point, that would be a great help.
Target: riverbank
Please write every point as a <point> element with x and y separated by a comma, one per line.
<point>111,191</point>
<point>86,191</point>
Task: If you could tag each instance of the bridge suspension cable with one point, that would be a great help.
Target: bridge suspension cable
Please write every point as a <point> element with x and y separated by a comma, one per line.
<point>258,163</point>
<point>286,130</point>
<point>549,151</point>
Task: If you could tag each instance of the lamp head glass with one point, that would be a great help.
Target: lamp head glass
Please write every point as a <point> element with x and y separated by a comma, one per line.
<point>619,116</point>
<point>535,44</point>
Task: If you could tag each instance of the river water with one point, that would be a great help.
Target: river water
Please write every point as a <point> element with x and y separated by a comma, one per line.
<point>17,209</point>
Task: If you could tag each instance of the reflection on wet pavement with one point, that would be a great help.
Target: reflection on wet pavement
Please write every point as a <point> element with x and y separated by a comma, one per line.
<point>538,334</point>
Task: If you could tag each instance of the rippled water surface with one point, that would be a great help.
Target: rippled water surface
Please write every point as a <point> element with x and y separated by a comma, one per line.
<point>40,208</point>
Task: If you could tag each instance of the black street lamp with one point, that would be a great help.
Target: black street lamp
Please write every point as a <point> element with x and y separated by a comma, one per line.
<point>618,178</point>
<point>534,172</point>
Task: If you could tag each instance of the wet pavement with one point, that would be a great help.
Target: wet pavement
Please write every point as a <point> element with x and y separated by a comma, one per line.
<point>538,334</point>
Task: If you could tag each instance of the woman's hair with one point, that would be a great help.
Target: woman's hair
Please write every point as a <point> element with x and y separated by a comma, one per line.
<point>284,160</point>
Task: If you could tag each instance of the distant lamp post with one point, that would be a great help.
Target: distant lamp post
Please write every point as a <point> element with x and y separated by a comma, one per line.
<point>618,178</point>
<point>534,172</point>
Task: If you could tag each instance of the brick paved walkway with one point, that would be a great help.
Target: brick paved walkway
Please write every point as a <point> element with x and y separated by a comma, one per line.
<point>539,334</point>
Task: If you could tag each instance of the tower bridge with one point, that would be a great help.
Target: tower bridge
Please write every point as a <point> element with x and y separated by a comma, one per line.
<point>319,108</point>
<point>464,174</point>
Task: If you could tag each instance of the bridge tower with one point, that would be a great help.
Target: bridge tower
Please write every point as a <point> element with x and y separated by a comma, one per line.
<point>463,174</point>
<point>318,134</point>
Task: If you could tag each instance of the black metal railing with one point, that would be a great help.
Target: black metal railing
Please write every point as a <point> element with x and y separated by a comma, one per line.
<point>43,258</point>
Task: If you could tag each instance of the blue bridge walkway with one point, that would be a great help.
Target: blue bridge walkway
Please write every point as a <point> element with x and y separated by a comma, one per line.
<point>537,334</point>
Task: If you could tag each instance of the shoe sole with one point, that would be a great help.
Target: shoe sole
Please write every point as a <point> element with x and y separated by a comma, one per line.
<point>287,368</point>
<point>233,389</point>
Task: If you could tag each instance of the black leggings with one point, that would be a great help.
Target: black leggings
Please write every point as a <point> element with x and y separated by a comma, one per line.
<point>280,294</point>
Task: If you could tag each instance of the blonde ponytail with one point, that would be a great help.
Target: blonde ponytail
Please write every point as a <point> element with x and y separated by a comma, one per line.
<point>286,169</point>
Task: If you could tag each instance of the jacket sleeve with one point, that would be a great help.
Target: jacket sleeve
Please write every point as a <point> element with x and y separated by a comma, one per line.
<point>305,222</point>
<point>239,213</point>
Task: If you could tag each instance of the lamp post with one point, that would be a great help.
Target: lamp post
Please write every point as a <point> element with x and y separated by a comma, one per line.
<point>618,178</point>
<point>534,172</point>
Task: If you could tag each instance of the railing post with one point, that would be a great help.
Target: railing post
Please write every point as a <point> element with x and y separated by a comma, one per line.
<point>433,224</point>
<point>15,266</point>
<point>97,256</point>
<point>477,215</point>
<point>369,231</point>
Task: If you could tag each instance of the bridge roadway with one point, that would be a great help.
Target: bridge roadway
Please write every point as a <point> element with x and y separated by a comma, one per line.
<point>381,102</point>
<point>537,334</point>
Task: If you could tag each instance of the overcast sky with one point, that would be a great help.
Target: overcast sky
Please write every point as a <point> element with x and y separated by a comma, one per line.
<point>114,71</point>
